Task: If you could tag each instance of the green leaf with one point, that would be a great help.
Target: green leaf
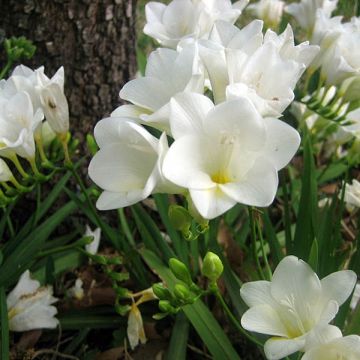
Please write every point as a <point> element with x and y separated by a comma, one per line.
<point>353,326</point>
<point>199,315</point>
<point>307,213</point>
<point>271,237</point>
<point>179,339</point>
<point>314,255</point>
<point>150,233</point>
<point>4,325</point>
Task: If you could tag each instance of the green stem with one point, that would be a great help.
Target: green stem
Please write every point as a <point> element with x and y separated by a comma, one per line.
<point>125,227</point>
<point>36,171</point>
<point>253,238</point>
<point>45,162</point>
<point>18,186</point>
<point>14,159</point>
<point>232,318</point>
<point>267,266</point>
<point>286,219</point>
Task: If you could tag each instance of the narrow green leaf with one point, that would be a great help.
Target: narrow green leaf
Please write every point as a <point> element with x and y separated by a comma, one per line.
<point>179,339</point>
<point>271,237</point>
<point>307,213</point>
<point>199,315</point>
<point>4,325</point>
<point>314,255</point>
<point>353,327</point>
<point>150,232</point>
<point>180,246</point>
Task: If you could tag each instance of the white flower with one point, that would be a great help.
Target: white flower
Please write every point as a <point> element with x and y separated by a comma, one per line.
<point>128,164</point>
<point>93,247</point>
<point>241,63</point>
<point>167,73</point>
<point>77,290</point>
<point>5,172</point>
<point>352,194</point>
<point>268,10</point>
<point>30,306</point>
<point>339,43</point>
<point>293,304</point>
<point>328,343</point>
<point>227,153</point>
<point>184,19</point>
<point>17,125</point>
<point>305,11</point>
<point>135,328</point>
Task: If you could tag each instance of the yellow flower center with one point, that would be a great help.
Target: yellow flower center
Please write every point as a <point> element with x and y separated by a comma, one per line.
<point>220,177</point>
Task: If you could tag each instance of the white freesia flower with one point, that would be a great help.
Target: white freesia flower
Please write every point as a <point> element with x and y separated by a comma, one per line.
<point>17,125</point>
<point>77,290</point>
<point>167,73</point>
<point>305,11</point>
<point>241,63</point>
<point>268,10</point>
<point>293,304</point>
<point>339,44</point>
<point>93,247</point>
<point>128,164</point>
<point>195,21</point>
<point>30,306</point>
<point>352,194</point>
<point>5,172</point>
<point>328,343</point>
<point>227,153</point>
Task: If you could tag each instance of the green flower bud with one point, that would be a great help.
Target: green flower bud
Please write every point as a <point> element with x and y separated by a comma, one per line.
<point>180,271</point>
<point>91,144</point>
<point>161,292</point>
<point>180,218</point>
<point>212,266</point>
<point>182,293</point>
<point>166,307</point>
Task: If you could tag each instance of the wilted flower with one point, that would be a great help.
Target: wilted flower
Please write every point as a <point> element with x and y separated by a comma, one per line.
<point>328,343</point>
<point>293,305</point>
<point>305,11</point>
<point>268,10</point>
<point>135,328</point>
<point>196,20</point>
<point>93,247</point>
<point>227,153</point>
<point>128,164</point>
<point>30,306</point>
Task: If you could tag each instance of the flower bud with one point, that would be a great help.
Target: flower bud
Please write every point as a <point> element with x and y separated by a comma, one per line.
<point>212,266</point>
<point>161,292</point>
<point>180,271</point>
<point>165,306</point>
<point>180,218</point>
<point>56,108</point>
<point>5,172</point>
<point>182,293</point>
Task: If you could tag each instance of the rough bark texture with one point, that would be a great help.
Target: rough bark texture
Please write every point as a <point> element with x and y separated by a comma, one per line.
<point>93,39</point>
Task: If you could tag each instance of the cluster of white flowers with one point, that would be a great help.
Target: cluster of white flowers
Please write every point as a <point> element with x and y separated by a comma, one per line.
<point>25,97</point>
<point>295,307</point>
<point>228,146</point>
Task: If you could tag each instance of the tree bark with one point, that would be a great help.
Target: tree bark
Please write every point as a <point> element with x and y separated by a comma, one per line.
<point>93,39</point>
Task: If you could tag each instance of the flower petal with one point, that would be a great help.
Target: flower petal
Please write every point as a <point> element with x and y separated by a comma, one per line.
<point>256,293</point>
<point>263,319</point>
<point>278,348</point>
<point>339,285</point>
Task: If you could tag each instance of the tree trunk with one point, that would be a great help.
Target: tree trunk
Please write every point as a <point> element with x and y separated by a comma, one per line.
<point>93,39</point>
